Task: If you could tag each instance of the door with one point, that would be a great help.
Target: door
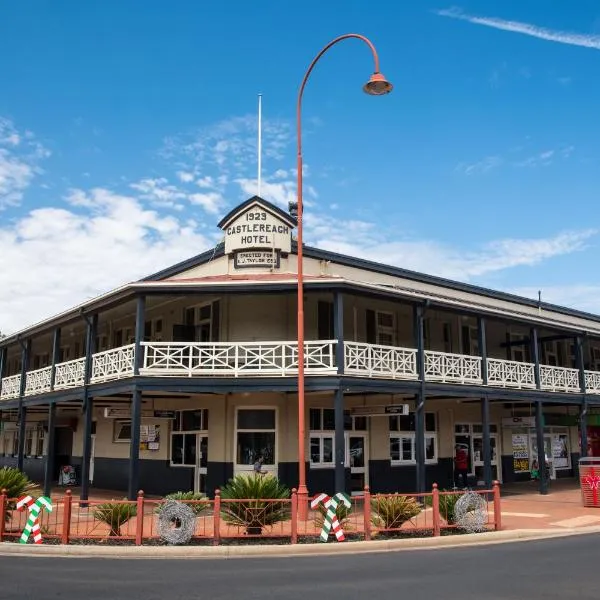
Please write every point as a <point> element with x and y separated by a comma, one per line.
<point>477,464</point>
<point>357,460</point>
<point>201,464</point>
<point>547,451</point>
<point>92,456</point>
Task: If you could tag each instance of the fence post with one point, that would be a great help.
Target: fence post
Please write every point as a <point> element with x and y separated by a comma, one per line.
<point>3,504</point>
<point>435,503</point>
<point>68,500</point>
<point>217,517</point>
<point>367,513</point>
<point>497,508</point>
<point>294,516</point>
<point>139,521</point>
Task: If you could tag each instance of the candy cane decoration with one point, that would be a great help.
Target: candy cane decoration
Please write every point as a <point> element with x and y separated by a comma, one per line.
<point>330,520</point>
<point>33,524</point>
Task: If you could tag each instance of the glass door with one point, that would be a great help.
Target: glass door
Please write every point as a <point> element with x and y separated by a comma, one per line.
<point>477,468</point>
<point>547,452</point>
<point>357,460</point>
<point>201,464</point>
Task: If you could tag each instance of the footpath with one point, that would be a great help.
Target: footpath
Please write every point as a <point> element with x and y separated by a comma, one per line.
<point>526,516</point>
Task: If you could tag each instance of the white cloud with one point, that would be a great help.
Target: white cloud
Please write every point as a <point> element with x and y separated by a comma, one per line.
<point>211,202</point>
<point>185,177</point>
<point>75,256</point>
<point>542,159</point>
<point>207,182</point>
<point>19,158</point>
<point>562,37</point>
<point>159,192</point>
<point>482,166</point>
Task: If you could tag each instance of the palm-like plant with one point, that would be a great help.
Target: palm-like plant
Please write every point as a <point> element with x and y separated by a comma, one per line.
<point>261,501</point>
<point>16,484</point>
<point>115,515</point>
<point>391,512</point>
<point>447,505</point>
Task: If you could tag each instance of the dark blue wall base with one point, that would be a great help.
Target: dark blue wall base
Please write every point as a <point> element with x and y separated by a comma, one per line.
<point>387,479</point>
<point>34,468</point>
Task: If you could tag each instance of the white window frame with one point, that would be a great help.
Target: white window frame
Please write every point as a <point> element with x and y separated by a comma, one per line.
<point>198,322</point>
<point>267,467</point>
<point>411,435</point>
<point>120,423</point>
<point>321,436</point>
<point>203,432</point>
<point>41,437</point>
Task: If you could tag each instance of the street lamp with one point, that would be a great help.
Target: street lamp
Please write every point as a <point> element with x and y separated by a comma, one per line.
<point>377,85</point>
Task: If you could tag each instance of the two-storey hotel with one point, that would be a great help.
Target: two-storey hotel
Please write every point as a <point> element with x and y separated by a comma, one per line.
<point>182,379</point>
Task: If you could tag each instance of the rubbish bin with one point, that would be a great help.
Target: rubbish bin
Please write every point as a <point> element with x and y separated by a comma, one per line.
<point>589,480</point>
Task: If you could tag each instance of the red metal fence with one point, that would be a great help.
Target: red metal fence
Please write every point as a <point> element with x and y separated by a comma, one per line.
<point>136,522</point>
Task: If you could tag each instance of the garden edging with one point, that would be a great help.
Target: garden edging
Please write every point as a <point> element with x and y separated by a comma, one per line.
<point>318,549</point>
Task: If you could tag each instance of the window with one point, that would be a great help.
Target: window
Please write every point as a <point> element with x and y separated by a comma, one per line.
<point>191,420</point>
<point>7,443</point>
<point>322,447</point>
<point>41,438</point>
<point>203,321</point>
<point>255,436</point>
<point>325,328</point>
<point>41,360</point>
<point>29,435</point>
<point>153,330</point>
<point>447,336</point>
<point>183,445</point>
<point>386,328</point>
<point>470,340</point>
<point>322,419</point>
<point>121,431</point>
<point>403,439</point>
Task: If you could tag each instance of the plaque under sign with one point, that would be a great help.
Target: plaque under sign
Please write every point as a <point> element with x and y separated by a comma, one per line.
<point>256,258</point>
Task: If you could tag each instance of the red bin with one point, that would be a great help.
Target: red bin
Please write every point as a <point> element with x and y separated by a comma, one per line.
<point>589,481</point>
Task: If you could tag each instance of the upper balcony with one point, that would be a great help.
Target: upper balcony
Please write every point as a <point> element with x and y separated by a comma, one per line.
<point>268,359</point>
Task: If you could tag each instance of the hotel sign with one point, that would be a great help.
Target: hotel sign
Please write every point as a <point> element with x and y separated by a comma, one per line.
<point>257,233</point>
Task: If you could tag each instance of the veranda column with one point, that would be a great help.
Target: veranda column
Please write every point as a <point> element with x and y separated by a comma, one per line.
<point>25,352</point>
<point>3,359</point>
<point>583,443</point>
<point>134,445</point>
<point>136,403</point>
<point>485,405</point>
<point>420,400</point>
<point>49,467</point>
<point>539,415</point>
<point>88,406</point>
<point>55,356</point>
<point>340,441</point>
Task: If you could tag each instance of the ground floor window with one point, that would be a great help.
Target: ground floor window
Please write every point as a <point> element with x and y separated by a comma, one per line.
<point>121,431</point>
<point>321,449</point>
<point>557,450</point>
<point>468,437</point>
<point>9,443</point>
<point>403,439</point>
<point>255,436</point>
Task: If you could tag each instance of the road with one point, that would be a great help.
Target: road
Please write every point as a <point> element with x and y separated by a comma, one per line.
<point>561,568</point>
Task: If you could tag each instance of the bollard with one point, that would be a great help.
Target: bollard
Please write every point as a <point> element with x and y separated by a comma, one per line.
<point>367,513</point>
<point>68,500</point>
<point>435,503</point>
<point>217,517</point>
<point>139,521</point>
<point>3,507</point>
<point>497,509</point>
<point>294,516</point>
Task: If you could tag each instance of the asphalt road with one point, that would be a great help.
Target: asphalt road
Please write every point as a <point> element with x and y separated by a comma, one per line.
<point>561,568</point>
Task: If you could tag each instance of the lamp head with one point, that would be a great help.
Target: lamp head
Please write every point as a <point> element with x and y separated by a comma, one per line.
<point>377,85</point>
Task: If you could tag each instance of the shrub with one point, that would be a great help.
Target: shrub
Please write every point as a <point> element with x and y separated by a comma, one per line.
<point>197,502</point>
<point>447,504</point>
<point>16,484</point>
<point>260,509</point>
<point>391,512</point>
<point>115,515</point>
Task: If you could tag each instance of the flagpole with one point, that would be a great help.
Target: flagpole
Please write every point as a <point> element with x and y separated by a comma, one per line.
<point>259,141</point>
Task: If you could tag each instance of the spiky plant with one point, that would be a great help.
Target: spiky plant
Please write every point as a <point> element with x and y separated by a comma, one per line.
<point>16,484</point>
<point>447,505</point>
<point>391,512</point>
<point>265,502</point>
<point>115,515</point>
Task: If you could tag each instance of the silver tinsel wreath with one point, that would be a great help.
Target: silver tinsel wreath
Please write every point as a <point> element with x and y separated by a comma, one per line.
<point>470,512</point>
<point>180,515</point>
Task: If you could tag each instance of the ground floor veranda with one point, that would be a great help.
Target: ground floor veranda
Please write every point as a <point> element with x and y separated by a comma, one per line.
<point>198,441</point>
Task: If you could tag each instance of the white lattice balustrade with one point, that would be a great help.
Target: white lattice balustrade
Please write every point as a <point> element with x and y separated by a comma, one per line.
<point>559,379</point>
<point>113,364</point>
<point>236,359</point>
<point>11,387</point>
<point>510,373</point>
<point>452,368</point>
<point>69,374</point>
<point>372,360</point>
<point>38,381</point>
<point>592,382</point>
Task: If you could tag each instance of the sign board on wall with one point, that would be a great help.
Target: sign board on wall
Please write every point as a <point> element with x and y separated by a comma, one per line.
<point>257,233</point>
<point>380,411</point>
<point>520,449</point>
<point>518,422</point>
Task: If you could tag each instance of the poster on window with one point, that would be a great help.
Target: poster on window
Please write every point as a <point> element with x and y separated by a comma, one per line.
<point>520,448</point>
<point>149,437</point>
<point>560,452</point>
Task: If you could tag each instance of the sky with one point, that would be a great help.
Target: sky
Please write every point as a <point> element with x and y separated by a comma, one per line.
<point>127,129</point>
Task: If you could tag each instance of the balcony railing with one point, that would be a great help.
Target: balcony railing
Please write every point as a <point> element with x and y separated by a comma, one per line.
<point>266,359</point>
<point>371,360</point>
<point>452,368</point>
<point>236,359</point>
<point>113,364</point>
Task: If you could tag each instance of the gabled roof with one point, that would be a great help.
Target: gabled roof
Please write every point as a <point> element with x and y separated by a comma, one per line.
<point>257,200</point>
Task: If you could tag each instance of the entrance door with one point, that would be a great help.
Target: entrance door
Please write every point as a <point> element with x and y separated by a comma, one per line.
<point>357,460</point>
<point>547,451</point>
<point>477,464</point>
<point>201,464</point>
